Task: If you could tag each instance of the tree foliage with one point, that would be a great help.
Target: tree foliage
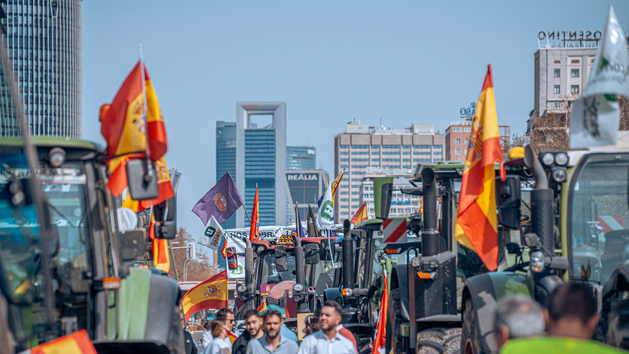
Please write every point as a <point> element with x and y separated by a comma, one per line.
<point>197,269</point>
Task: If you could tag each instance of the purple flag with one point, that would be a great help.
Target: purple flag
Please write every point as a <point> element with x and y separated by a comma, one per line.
<point>221,201</point>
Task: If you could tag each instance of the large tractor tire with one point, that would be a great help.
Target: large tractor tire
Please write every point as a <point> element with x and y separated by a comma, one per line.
<point>364,344</point>
<point>470,338</point>
<point>439,341</point>
<point>394,322</point>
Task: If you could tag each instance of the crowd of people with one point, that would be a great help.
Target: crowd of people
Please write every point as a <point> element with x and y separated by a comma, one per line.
<point>266,332</point>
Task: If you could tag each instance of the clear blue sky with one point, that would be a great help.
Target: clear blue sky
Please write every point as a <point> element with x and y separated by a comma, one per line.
<point>330,61</point>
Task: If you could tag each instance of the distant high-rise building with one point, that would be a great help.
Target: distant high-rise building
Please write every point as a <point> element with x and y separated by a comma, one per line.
<point>303,187</point>
<point>261,160</point>
<point>363,150</point>
<point>301,157</point>
<point>43,40</point>
<point>226,158</point>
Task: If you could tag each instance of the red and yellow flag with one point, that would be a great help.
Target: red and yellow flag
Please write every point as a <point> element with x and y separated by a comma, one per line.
<point>476,221</point>
<point>232,337</point>
<point>209,294</point>
<point>125,128</point>
<point>164,186</point>
<point>381,327</point>
<point>254,231</point>
<point>74,343</point>
<point>335,184</point>
<point>159,248</point>
<point>360,215</point>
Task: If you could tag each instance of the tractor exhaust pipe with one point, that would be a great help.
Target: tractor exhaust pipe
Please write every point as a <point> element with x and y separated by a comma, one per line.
<point>348,256</point>
<point>541,201</point>
<point>300,263</point>
<point>430,234</point>
<point>249,273</point>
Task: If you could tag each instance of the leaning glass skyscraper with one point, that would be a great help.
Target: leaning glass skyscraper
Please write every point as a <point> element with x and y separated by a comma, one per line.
<point>43,39</point>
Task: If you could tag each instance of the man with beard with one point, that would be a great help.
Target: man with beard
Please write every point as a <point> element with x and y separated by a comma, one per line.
<point>253,324</point>
<point>272,341</point>
<point>327,340</point>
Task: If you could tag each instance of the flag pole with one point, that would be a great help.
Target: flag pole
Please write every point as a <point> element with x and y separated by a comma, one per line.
<point>243,206</point>
<point>145,111</point>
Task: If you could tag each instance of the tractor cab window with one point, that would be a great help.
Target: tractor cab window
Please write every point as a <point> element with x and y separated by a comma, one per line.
<point>599,217</point>
<point>269,273</point>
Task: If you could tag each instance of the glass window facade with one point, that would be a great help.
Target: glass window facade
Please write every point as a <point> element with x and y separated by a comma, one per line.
<point>226,158</point>
<point>260,170</point>
<point>44,45</point>
<point>301,157</point>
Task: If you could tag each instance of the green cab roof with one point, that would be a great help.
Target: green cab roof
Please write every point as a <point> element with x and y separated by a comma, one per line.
<point>53,141</point>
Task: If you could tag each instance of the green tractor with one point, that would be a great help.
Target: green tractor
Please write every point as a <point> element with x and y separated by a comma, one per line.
<point>66,257</point>
<point>577,232</point>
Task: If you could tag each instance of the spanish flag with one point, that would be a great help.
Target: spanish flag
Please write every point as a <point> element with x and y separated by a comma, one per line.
<point>335,184</point>
<point>74,343</point>
<point>159,248</point>
<point>209,294</point>
<point>360,215</point>
<point>254,230</point>
<point>381,327</point>
<point>232,337</point>
<point>125,126</point>
<point>476,221</point>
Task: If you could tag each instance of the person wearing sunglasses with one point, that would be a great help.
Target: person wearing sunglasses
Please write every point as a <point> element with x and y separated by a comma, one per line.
<point>225,315</point>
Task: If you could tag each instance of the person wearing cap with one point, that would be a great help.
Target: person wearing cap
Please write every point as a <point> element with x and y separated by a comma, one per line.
<point>284,331</point>
<point>272,341</point>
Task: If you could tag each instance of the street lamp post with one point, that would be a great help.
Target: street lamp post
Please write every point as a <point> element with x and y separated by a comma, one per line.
<point>185,269</point>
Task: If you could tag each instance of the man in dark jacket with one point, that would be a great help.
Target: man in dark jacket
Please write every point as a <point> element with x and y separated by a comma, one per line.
<point>253,324</point>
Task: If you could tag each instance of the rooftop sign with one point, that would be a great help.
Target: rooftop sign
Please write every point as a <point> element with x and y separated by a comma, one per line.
<point>569,39</point>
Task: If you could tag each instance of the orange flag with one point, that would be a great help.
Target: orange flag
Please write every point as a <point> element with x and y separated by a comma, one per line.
<point>209,294</point>
<point>159,247</point>
<point>381,327</point>
<point>125,128</point>
<point>476,221</point>
<point>254,231</point>
<point>360,215</point>
<point>74,343</point>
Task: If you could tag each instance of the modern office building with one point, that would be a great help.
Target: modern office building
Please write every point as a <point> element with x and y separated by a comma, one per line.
<point>363,150</point>
<point>226,158</point>
<point>301,157</point>
<point>563,62</point>
<point>303,187</point>
<point>401,204</point>
<point>261,160</point>
<point>43,40</point>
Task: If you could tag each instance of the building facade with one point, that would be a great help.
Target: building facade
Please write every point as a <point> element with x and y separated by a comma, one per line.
<point>261,160</point>
<point>458,138</point>
<point>301,157</point>
<point>43,40</point>
<point>303,187</point>
<point>364,150</point>
<point>226,158</point>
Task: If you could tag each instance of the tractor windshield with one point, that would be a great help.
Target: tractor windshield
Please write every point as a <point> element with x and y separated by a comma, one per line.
<point>269,273</point>
<point>597,213</point>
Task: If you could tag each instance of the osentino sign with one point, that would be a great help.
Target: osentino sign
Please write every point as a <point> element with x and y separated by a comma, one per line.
<point>569,39</point>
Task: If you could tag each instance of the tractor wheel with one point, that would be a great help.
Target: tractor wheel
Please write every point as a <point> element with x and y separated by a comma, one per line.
<point>439,341</point>
<point>364,344</point>
<point>470,338</point>
<point>394,322</point>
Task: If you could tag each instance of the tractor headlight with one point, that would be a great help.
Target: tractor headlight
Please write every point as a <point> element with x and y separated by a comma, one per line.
<point>57,157</point>
<point>347,292</point>
<point>241,288</point>
<point>298,287</point>
<point>559,174</point>
<point>561,158</point>
<point>537,261</point>
<point>548,159</point>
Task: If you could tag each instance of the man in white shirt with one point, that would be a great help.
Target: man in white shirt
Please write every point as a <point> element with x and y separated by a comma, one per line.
<point>226,315</point>
<point>327,340</point>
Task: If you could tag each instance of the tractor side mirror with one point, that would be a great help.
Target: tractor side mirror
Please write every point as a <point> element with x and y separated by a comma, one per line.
<point>324,251</point>
<point>232,260</point>
<point>142,185</point>
<point>165,219</point>
<point>311,253</point>
<point>165,230</point>
<point>508,201</point>
<point>382,191</point>
<point>281,259</point>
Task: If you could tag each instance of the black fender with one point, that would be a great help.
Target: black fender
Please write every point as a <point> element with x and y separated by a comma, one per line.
<point>129,347</point>
<point>484,290</point>
<point>399,280</point>
<point>615,311</point>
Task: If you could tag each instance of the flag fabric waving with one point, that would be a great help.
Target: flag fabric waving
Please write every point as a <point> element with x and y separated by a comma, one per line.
<point>476,221</point>
<point>221,201</point>
<point>159,247</point>
<point>360,215</point>
<point>209,294</point>
<point>312,223</point>
<point>126,124</point>
<point>232,337</point>
<point>596,114</point>
<point>325,217</point>
<point>298,227</point>
<point>381,327</point>
<point>254,230</point>
<point>335,184</point>
<point>74,343</point>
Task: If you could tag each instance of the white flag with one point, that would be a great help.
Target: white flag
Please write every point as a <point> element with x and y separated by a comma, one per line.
<point>214,231</point>
<point>325,216</point>
<point>595,114</point>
